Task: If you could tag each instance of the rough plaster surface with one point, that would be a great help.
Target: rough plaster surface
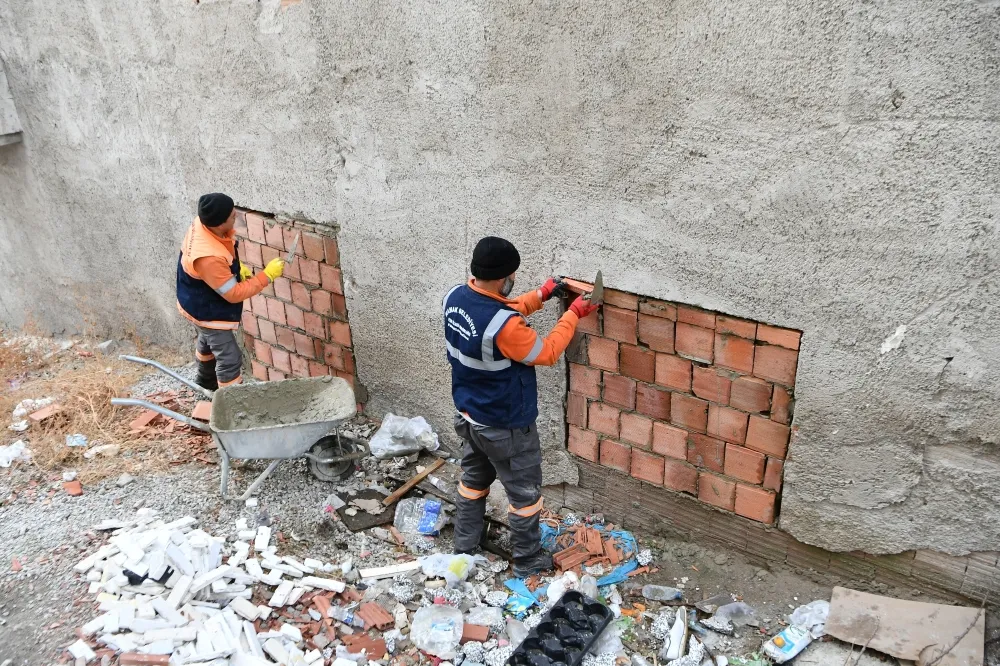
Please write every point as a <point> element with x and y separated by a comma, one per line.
<point>826,166</point>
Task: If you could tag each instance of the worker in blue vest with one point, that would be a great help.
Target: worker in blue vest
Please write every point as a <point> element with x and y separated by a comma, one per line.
<point>493,353</point>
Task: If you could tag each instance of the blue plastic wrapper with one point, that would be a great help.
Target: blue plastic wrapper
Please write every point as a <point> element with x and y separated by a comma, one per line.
<point>521,598</point>
<point>623,539</point>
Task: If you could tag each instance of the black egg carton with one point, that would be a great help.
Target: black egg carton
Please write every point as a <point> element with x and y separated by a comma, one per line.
<point>565,634</point>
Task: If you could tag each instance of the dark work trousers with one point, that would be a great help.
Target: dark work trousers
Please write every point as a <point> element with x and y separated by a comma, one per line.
<point>218,352</point>
<point>515,456</point>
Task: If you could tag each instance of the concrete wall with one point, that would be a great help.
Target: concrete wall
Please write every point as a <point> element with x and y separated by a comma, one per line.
<point>830,167</point>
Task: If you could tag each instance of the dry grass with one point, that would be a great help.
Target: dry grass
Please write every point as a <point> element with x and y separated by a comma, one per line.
<point>83,386</point>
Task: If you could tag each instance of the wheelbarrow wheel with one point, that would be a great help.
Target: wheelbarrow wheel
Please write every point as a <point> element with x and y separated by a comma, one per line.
<point>329,447</point>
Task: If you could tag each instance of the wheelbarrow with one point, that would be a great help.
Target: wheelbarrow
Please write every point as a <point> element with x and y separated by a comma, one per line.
<point>283,420</point>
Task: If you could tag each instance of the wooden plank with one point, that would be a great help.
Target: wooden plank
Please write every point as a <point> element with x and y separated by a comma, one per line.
<point>409,485</point>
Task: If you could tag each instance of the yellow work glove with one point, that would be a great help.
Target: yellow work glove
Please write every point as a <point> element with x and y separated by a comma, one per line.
<point>245,272</point>
<point>274,269</point>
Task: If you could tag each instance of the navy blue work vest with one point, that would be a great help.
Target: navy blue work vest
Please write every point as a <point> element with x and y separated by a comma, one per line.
<point>492,389</point>
<point>202,302</point>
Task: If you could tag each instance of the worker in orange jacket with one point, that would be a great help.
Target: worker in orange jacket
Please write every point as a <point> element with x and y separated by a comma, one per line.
<point>212,284</point>
<point>493,353</point>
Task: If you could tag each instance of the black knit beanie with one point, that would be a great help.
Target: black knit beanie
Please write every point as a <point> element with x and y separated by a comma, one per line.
<point>494,258</point>
<point>214,209</point>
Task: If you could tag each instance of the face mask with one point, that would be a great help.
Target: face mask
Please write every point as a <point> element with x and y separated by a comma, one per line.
<point>508,286</point>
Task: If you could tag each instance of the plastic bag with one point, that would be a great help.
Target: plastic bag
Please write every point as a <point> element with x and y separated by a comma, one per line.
<point>16,451</point>
<point>453,568</point>
<point>588,586</point>
<point>812,616</point>
<point>559,587</point>
<point>400,436</point>
<point>437,630</point>
<point>737,612</point>
<point>484,616</point>
<point>516,631</point>
<point>420,516</point>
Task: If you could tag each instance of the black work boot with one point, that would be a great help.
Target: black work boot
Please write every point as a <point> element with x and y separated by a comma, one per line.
<point>206,375</point>
<point>529,566</point>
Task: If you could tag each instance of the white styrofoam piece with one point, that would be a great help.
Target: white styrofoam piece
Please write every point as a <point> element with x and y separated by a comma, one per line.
<point>246,534</point>
<point>265,611</point>
<point>81,650</point>
<point>244,609</point>
<point>158,647</point>
<point>313,656</point>
<point>179,560</point>
<point>277,652</point>
<point>180,592</point>
<point>252,641</point>
<point>95,625</point>
<point>207,578</point>
<point>263,537</point>
<point>291,632</point>
<point>112,622</point>
<point>280,596</point>
<point>327,584</point>
<point>185,634</point>
<point>126,615</point>
<point>168,612</point>
<point>292,562</point>
<point>312,564</point>
<point>296,594</point>
<point>142,625</point>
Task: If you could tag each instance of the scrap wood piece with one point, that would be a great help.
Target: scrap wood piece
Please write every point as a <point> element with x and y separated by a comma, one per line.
<point>373,647</point>
<point>578,286</point>
<point>911,630</point>
<point>375,616</point>
<point>414,480</point>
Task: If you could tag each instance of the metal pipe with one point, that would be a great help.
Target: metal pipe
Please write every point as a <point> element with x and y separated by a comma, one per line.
<point>160,409</point>
<point>167,371</point>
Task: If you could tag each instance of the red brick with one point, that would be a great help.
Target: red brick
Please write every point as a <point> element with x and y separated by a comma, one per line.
<point>734,353</point>
<point>602,353</point>
<point>258,304</point>
<point>695,316</point>
<point>285,337</point>
<point>255,227</point>
<point>589,324</point>
<point>619,391</point>
<point>251,253</point>
<point>339,305</point>
<point>776,364</point>
<point>637,430</point>
<point>709,384</point>
<point>656,308</point>
<point>311,246</point>
<point>638,363</point>
<point>694,342</point>
<point>585,380</point>
<point>733,326</point>
<point>755,503</point>
<point>283,288</point>
<point>293,316</point>
<point>647,467</point>
<point>621,299</point>
<point>583,443</point>
<point>250,323</point>
<point>782,337</point>
<point>767,437</point>
<point>331,279</point>
<point>276,311</point>
<point>670,441</point>
<point>673,372</point>
<point>259,370</point>
<point>304,345</point>
<point>349,362</point>
<point>301,297</point>
<point>288,236</point>
<point>281,360</point>
<point>313,325</point>
<point>744,464</point>
<point>267,332</point>
<point>706,452</point>
<point>322,302</point>
<point>772,474</point>
<point>750,394</point>
<point>620,324</point>
<point>263,352</point>
<point>292,271</point>
<point>274,375</point>
<point>689,412</point>
<point>309,270</point>
<point>331,250</point>
<point>300,366</point>
<point>716,491</point>
<point>781,405</point>
<point>652,401</point>
<point>318,369</point>
<point>656,333</point>
<point>333,356</point>
<point>340,332</point>
<point>603,418</point>
<point>576,409</point>
<point>615,455</point>
<point>728,424</point>
<point>268,254</point>
<point>680,476</point>
<point>248,340</point>
<point>272,232</point>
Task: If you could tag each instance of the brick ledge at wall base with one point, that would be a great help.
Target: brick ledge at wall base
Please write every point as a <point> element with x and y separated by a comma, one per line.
<point>298,326</point>
<point>696,401</point>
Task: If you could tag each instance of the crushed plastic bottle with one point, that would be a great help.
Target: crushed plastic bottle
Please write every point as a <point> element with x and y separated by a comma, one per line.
<point>344,615</point>
<point>787,644</point>
<point>420,516</point>
<point>661,593</point>
<point>437,630</point>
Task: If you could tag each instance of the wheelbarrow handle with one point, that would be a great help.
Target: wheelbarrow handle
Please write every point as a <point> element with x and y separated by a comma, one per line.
<point>169,413</point>
<point>167,371</point>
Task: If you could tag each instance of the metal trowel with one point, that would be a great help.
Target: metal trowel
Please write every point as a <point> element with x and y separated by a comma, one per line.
<point>596,296</point>
<point>290,257</point>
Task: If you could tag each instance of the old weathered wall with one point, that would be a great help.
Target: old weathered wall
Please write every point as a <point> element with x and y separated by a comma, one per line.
<point>830,167</point>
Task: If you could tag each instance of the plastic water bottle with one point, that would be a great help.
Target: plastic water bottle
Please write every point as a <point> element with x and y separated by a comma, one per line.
<point>346,616</point>
<point>661,593</point>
